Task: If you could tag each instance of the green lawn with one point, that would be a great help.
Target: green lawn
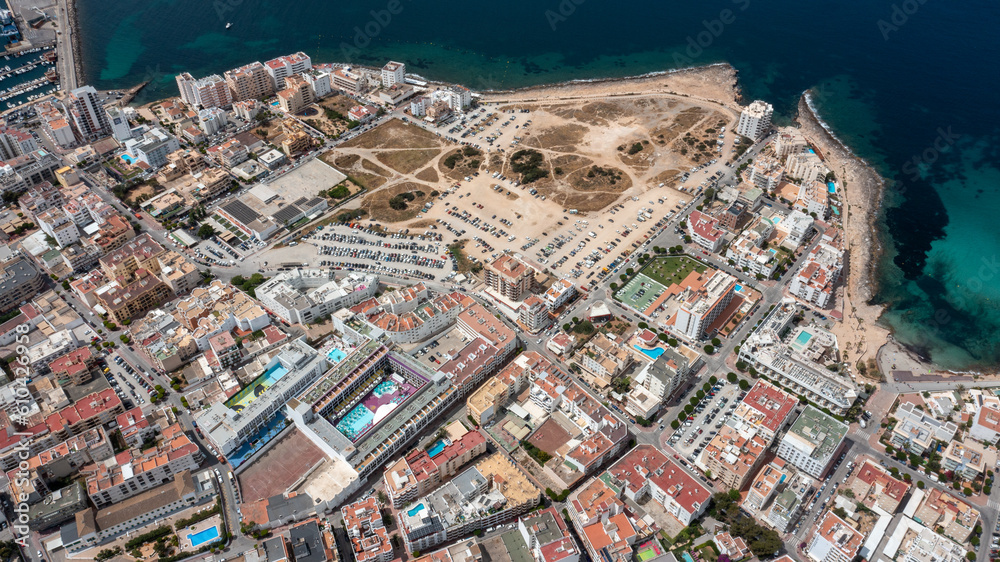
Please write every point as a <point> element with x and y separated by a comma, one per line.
<point>670,270</point>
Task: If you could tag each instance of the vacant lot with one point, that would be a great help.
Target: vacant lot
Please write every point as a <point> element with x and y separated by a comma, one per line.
<point>461,162</point>
<point>395,134</point>
<point>598,178</point>
<point>368,174</point>
<point>397,203</point>
<point>670,270</point>
<point>406,161</point>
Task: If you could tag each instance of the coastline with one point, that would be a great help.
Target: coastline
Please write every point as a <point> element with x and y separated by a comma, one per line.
<point>73,24</point>
<point>861,337</point>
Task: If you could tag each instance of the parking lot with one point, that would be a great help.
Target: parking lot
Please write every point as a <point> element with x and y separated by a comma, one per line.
<point>360,248</point>
<point>706,419</point>
<point>128,381</point>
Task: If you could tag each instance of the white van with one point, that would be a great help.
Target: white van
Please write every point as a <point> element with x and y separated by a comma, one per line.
<point>592,234</point>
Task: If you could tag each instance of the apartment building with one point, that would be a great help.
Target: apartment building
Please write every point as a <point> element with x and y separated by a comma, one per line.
<point>755,120</point>
<point>766,408</point>
<point>658,379</point>
<point>281,68</point>
<point>733,455</point>
<point>748,249</point>
<point>350,82</point>
<point>602,358</point>
<point>471,365</point>
<point>701,303</point>
<point>956,517</point>
<point>704,231</point>
<point>302,295</point>
<point>986,423</point>
<point>252,81</point>
<point>509,277</point>
<point>834,541</point>
<point>19,282</point>
<point>153,147</point>
<point>393,73</point>
<point>15,142</point>
<point>807,168</point>
<point>486,402</point>
<point>21,172</point>
<point>423,470</point>
<point>916,430</point>
<point>797,362</point>
<point>790,141</point>
<point>493,491</point>
<point>547,537</point>
<point>646,472</point>
<point>814,282</point>
<point>76,367</point>
<point>970,459</point>
<point>874,486</point>
<point>88,114</point>
<point>208,92</point>
<point>533,314</point>
<point>477,322</point>
<point>57,224</point>
<point>607,529</point>
<point>134,472</point>
<point>368,535</point>
<point>296,95</point>
<point>778,495</point>
<point>813,442</point>
<point>766,172</point>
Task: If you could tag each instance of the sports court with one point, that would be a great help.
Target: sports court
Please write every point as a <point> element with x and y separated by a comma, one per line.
<point>279,467</point>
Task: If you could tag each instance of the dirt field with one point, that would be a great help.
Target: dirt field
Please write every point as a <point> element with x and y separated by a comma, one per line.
<point>395,134</point>
<point>378,204</point>
<point>460,162</point>
<point>279,467</point>
<point>368,174</point>
<point>407,161</point>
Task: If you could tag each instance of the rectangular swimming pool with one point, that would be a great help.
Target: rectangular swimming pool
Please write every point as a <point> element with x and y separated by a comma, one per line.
<point>803,338</point>
<point>436,449</point>
<point>208,535</point>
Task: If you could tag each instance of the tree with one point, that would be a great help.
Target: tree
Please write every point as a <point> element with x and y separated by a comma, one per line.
<point>709,349</point>
<point>716,342</point>
<point>700,395</point>
<point>920,484</point>
<point>744,385</point>
<point>741,366</point>
<point>206,231</point>
<point>732,378</point>
<point>675,424</point>
<point>840,512</point>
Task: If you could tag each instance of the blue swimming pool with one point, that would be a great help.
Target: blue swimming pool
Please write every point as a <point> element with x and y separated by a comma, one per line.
<point>274,374</point>
<point>415,510</point>
<point>739,288</point>
<point>437,448</point>
<point>356,422</point>
<point>832,187</point>
<point>803,338</point>
<point>127,159</point>
<point>383,388</point>
<point>687,557</point>
<point>652,353</point>
<point>336,355</point>
<point>208,535</point>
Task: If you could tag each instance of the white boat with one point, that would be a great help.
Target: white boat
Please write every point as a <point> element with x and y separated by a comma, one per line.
<point>229,24</point>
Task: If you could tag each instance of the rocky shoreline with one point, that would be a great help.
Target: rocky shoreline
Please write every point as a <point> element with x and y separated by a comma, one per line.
<point>73,24</point>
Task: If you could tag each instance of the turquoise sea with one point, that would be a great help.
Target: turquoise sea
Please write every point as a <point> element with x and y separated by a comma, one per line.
<point>910,85</point>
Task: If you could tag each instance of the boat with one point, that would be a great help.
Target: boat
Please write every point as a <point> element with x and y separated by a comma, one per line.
<point>229,24</point>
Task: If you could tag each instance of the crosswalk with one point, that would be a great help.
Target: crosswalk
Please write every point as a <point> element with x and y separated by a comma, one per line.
<point>993,503</point>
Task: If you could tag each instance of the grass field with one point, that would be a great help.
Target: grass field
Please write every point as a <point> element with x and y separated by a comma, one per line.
<point>670,270</point>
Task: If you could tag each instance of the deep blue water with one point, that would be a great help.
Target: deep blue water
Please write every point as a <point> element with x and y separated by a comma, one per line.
<point>896,81</point>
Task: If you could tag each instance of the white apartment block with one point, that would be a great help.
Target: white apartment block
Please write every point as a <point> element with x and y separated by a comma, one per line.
<point>747,250</point>
<point>699,306</point>
<point>815,280</point>
<point>57,224</point>
<point>813,441</point>
<point>805,166</point>
<point>755,120</point>
<point>283,67</point>
<point>321,83</point>
<point>796,226</point>
<point>393,73</point>
<point>788,142</point>
<point>212,120</point>
<point>302,295</point>
<point>120,128</point>
<point>153,147</point>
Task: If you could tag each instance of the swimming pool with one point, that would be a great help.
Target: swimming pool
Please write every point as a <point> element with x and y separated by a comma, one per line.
<point>832,187</point>
<point>383,388</point>
<point>208,535</point>
<point>419,507</point>
<point>436,449</point>
<point>356,422</point>
<point>687,557</point>
<point>127,159</point>
<point>803,338</point>
<point>335,355</point>
<point>652,353</point>
<point>274,374</point>
<point>738,288</point>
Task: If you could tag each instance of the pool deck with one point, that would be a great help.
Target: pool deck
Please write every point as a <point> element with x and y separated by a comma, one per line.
<point>182,534</point>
